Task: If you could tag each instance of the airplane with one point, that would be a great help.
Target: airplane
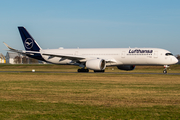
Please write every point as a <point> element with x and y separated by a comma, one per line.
<point>96,59</point>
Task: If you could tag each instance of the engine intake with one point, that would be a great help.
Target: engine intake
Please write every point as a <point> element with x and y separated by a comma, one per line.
<point>96,64</point>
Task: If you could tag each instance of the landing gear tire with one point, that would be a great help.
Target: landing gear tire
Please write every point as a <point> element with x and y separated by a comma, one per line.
<point>101,71</point>
<point>165,71</point>
<point>83,70</point>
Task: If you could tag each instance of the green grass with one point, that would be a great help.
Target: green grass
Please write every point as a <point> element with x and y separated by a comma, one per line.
<point>88,96</point>
<point>39,110</point>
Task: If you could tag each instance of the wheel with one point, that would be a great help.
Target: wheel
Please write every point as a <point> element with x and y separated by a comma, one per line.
<point>165,71</point>
<point>86,70</point>
<point>99,71</point>
<point>83,70</point>
<point>79,70</point>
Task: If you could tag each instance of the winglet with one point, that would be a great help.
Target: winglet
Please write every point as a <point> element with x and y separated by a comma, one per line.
<point>11,49</point>
<point>8,46</point>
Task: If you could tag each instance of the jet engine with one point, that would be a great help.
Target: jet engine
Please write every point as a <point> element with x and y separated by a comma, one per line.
<point>96,64</point>
<point>126,67</point>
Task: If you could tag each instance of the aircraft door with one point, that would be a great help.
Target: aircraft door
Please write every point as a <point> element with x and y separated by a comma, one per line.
<point>123,54</point>
<point>76,53</point>
<point>156,54</point>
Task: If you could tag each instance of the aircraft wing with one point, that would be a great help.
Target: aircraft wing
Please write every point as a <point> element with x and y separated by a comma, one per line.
<point>51,55</point>
<point>75,57</point>
<point>71,57</point>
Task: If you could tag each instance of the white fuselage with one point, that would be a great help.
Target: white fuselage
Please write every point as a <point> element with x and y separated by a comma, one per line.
<point>116,56</point>
<point>96,59</point>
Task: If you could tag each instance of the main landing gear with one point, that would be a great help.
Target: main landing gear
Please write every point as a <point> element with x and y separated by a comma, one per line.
<point>165,69</point>
<point>99,71</point>
<point>83,70</point>
<point>87,70</point>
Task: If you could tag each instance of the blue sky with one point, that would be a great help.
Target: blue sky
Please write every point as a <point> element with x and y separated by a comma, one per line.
<point>92,23</point>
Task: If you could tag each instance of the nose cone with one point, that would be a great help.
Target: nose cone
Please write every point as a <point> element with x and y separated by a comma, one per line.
<point>175,60</point>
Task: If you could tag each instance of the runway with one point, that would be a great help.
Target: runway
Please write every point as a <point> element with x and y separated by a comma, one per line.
<point>88,73</point>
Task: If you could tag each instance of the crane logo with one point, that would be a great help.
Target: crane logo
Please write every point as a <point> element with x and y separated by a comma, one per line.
<point>28,43</point>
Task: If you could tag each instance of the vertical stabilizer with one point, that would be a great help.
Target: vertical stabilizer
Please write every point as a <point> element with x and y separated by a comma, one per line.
<point>29,43</point>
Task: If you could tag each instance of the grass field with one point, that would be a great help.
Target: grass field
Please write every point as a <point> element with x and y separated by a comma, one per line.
<point>88,96</point>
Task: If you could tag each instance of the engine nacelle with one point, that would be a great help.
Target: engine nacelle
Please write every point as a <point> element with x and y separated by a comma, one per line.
<point>126,67</point>
<point>96,64</point>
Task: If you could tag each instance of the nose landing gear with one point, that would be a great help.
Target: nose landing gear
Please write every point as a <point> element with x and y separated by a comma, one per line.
<point>165,69</point>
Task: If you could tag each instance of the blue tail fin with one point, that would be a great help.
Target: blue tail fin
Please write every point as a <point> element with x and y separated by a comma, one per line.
<point>28,41</point>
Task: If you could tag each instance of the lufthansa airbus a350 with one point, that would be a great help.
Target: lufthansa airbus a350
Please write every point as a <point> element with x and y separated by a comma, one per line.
<point>96,59</point>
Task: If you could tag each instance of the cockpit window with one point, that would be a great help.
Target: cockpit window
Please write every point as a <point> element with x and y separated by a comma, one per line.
<point>169,54</point>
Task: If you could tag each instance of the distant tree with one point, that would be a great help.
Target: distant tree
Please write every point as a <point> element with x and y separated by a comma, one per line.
<point>17,59</point>
<point>28,60</point>
<point>24,60</point>
<point>33,61</point>
<point>178,57</point>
